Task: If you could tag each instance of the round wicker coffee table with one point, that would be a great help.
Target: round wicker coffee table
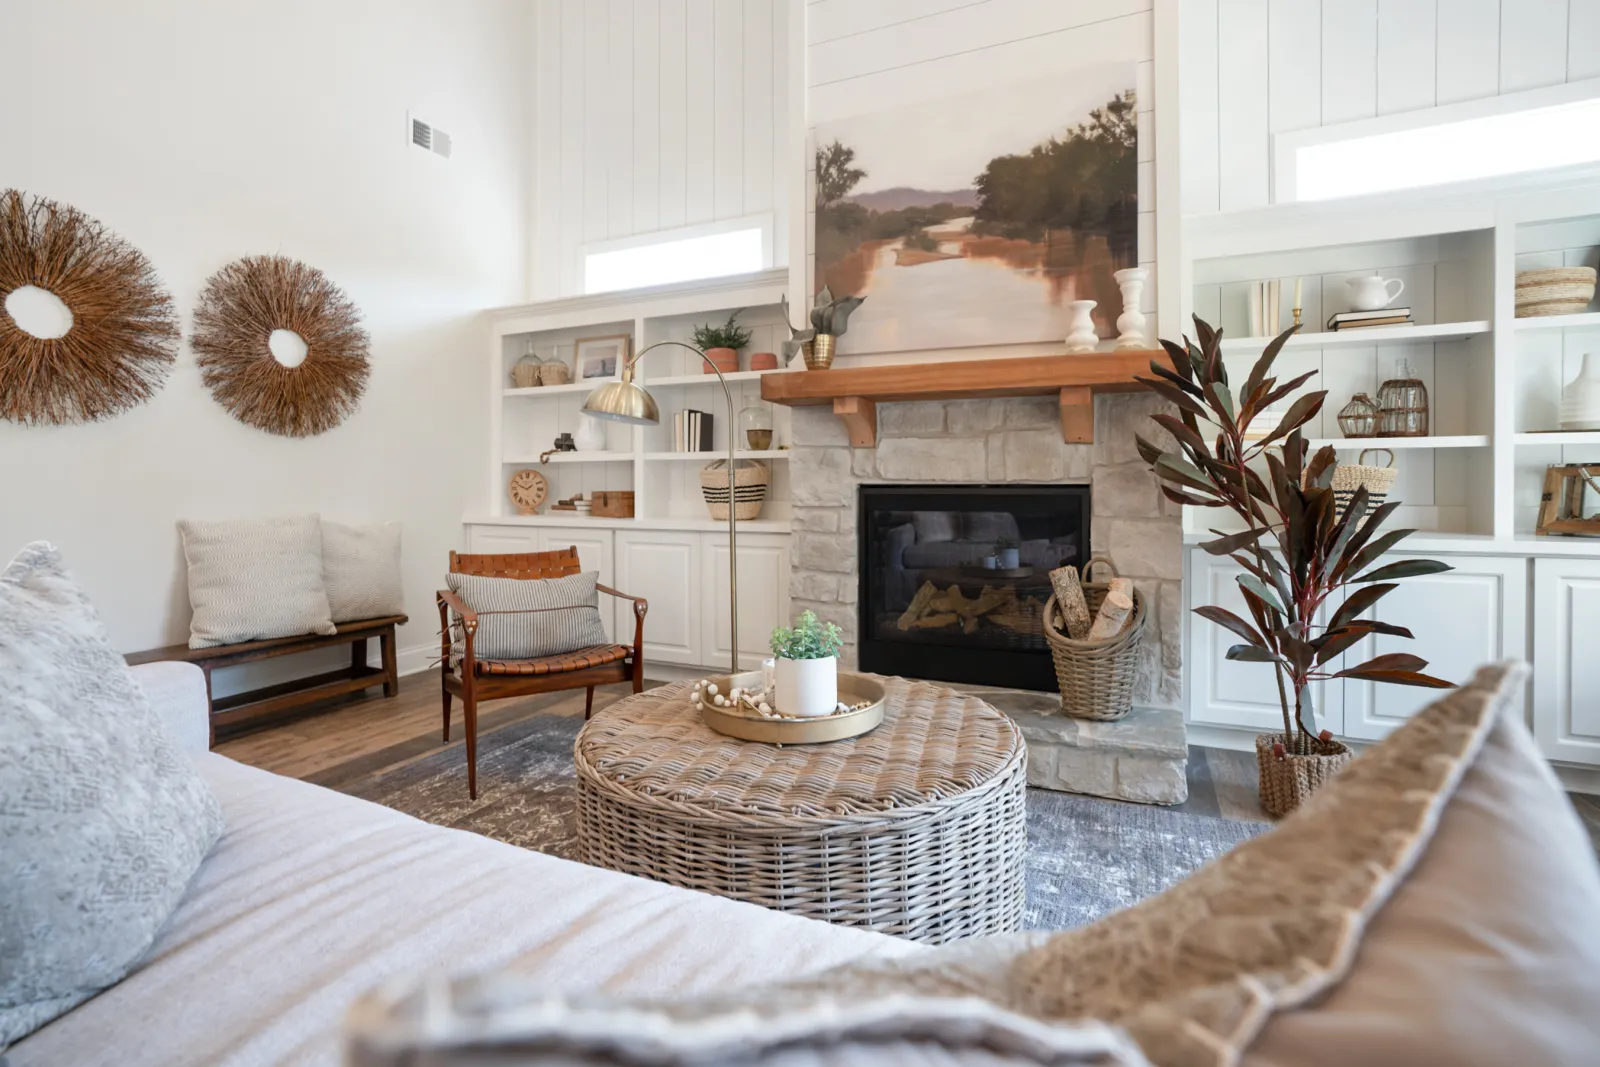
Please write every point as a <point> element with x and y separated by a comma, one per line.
<point>915,829</point>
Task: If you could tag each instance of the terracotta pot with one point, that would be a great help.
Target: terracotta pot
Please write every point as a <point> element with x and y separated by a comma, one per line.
<point>764,361</point>
<point>1286,781</point>
<point>726,359</point>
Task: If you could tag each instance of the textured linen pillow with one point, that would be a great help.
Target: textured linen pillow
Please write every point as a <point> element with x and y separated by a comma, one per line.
<point>103,821</point>
<point>361,570</point>
<point>566,614</point>
<point>252,579</point>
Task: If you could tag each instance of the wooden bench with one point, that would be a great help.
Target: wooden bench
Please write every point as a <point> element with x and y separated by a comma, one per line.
<point>286,696</point>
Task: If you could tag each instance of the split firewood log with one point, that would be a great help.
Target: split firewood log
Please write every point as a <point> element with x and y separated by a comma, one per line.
<point>1069,599</point>
<point>919,603</point>
<point>1115,611</point>
<point>934,622</point>
<point>1121,585</point>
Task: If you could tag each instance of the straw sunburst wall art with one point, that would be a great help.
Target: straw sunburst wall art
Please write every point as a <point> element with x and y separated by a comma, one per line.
<point>280,346</point>
<point>117,338</point>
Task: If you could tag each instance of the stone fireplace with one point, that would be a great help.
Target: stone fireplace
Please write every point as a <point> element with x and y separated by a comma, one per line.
<point>989,444</point>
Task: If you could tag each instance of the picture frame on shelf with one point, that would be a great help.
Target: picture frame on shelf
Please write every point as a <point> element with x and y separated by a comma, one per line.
<point>601,357</point>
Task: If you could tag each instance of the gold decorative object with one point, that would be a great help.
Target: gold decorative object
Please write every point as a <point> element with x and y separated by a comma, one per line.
<point>625,400</point>
<point>1403,405</point>
<point>1359,418</point>
<point>819,351</point>
<point>124,332</point>
<point>861,694</point>
<point>528,490</point>
<point>241,307</point>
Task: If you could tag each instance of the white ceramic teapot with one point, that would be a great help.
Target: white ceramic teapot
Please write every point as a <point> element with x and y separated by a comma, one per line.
<point>1372,292</point>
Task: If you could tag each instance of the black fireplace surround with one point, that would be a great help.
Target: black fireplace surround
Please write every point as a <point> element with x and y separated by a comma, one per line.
<point>954,578</point>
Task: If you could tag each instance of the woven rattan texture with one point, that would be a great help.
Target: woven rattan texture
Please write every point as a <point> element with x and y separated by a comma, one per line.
<point>915,829</point>
<point>576,660</point>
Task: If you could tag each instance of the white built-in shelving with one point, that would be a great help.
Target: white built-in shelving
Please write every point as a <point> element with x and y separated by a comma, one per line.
<point>765,455</point>
<point>1404,443</point>
<point>1557,322</point>
<point>564,458</point>
<point>1372,335</point>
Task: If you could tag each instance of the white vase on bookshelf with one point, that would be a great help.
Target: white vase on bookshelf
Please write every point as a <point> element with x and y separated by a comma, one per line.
<point>591,435</point>
<point>1580,398</point>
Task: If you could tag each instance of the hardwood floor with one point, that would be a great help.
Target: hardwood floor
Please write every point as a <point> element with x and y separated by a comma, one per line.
<point>368,737</point>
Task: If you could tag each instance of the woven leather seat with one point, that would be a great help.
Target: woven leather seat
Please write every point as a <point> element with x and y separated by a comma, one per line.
<point>576,660</point>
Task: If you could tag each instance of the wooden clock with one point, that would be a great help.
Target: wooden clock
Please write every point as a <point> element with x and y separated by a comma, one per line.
<point>528,490</point>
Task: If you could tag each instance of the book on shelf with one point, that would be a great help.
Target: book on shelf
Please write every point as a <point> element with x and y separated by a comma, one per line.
<point>691,431</point>
<point>1356,320</point>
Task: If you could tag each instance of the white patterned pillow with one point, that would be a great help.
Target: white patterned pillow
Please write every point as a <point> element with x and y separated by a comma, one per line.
<point>251,579</point>
<point>103,821</point>
<point>566,614</point>
<point>361,570</point>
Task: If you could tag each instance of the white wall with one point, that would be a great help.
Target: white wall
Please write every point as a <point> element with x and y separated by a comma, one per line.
<point>204,131</point>
<point>653,115</point>
<point>1254,68</point>
<point>875,55</point>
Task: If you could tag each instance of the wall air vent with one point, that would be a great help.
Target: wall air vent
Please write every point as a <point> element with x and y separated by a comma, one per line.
<point>429,138</point>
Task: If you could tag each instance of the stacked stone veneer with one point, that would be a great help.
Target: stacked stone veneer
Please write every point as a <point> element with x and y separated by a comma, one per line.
<point>992,442</point>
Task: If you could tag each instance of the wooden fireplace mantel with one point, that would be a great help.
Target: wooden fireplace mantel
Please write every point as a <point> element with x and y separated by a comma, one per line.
<point>855,392</point>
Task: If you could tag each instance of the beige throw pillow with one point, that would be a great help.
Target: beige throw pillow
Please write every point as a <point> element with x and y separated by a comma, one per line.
<point>361,570</point>
<point>251,579</point>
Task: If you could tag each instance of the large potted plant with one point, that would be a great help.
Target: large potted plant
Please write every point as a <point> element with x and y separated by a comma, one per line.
<point>1303,557</point>
<point>806,674</point>
<point>721,344</point>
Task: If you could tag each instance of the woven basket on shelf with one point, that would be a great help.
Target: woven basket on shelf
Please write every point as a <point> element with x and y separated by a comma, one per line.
<point>1288,781</point>
<point>1096,677</point>
<point>750,484</point>
<point>1348,477</point>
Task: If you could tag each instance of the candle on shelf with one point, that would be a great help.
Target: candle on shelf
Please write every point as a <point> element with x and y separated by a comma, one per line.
<point>1297,304</point>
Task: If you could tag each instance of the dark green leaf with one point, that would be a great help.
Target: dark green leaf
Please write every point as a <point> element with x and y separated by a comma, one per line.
<point>1147,451</point>
<point>1278,392</point>
<point>1227,619</point>
<point>1334,642</point>
<point>1426,681</point>
<point>1185,498</point>
<point>1179,358</point>
<point>1249,654</point>
<point>1258,373</point>
<point>1255,585</point>
<point>1173,468</point>
<point>1393,661</point>
<point>1226,544</point>
<point>1302,411</point>
<point>1319,472</point>
<point>1172,394</point>
<point>1175,378</point>
<point>1406,568</point>
<point>1359,601</point>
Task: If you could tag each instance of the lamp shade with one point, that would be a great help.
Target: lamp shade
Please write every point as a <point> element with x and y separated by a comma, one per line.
<point>623,401</point>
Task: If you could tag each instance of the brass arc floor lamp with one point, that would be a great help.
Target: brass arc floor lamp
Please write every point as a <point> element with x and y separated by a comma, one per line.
<point>625,400</point>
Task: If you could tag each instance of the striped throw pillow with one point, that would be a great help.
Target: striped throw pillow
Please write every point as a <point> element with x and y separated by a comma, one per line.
<point>564,614</point>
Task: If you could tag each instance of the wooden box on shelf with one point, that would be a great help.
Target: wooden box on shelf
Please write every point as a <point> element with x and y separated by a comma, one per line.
<point>611,503</point>
<point>1561,504</point>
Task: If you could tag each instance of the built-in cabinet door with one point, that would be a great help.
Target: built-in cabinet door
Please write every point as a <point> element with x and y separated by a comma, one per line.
<point>763,596</point>
<point>1566,662</point>
<point>664,567</point>
<point>1226,692</point>
<point>1462,618</point>
<point>594,554</point>
<point>499,540</point>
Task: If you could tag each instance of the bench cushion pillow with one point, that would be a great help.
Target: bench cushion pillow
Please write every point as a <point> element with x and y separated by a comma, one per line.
<point>562,614</point>
<point>361,570</point>
<point>252,579</point>
<point>103,820</point>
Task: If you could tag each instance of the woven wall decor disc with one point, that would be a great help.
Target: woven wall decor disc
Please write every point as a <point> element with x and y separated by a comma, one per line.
<point>240,307</point>
<point>124,332</point>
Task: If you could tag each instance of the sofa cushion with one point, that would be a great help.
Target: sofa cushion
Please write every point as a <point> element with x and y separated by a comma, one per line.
<point>312,898</point>
<point>361,570</point>
<point>103,820</point>
<point>553,614</point>
<point>252,579</point>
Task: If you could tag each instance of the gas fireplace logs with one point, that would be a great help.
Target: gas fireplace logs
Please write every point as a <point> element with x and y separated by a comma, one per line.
<point>1069,598</point>
<point>934,608</point>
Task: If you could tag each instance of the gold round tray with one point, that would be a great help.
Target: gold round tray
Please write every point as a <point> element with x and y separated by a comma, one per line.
<point>853,688</point>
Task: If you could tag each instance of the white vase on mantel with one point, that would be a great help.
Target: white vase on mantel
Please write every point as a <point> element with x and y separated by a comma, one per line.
<point>1080,333</point>
<point>1130,324</point>
<point>1580,398</point>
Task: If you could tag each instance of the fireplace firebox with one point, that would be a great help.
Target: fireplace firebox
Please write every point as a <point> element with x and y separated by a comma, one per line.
<point>954,578</point>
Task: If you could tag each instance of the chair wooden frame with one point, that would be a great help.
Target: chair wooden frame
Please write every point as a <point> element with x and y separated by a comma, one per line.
<point>461,679</point>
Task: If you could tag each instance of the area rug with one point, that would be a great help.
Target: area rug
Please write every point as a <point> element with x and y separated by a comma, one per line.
<point>1086,857</point>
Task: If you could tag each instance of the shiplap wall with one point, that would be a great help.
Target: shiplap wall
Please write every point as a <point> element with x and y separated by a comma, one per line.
<point>881,54</point>
<point>1254,68</point>
<point>652,115</point>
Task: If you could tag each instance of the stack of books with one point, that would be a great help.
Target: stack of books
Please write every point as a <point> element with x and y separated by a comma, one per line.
<point>691,431</point>
<point>1346,321</point>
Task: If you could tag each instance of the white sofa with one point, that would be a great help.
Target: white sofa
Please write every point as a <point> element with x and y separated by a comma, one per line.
<point>311,898</point>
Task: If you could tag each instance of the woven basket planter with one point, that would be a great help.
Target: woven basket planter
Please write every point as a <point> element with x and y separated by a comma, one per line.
<point>1096,677</point>
<point>1554,291</point>
<point>1348,477</point>
<point>1286,782</point>
<point>750,484</point>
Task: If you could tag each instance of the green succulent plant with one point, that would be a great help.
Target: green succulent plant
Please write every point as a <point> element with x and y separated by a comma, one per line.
<point>811,638</point>
<point>728,335</point>
<point>1004,542</point>
<point>830,315</point>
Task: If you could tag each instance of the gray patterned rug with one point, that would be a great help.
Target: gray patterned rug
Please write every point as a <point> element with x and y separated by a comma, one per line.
<point>1086,857</point>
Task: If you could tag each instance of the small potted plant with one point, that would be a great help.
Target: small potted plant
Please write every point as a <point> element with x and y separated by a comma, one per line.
<point>721,344</point>
<point>829,317</point>
<point>807,668</point>
<point>1007,553</point>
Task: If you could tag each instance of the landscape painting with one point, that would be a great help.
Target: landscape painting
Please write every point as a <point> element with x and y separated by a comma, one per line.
<point>977,219</point>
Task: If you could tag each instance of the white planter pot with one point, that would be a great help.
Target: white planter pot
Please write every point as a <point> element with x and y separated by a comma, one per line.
<point>1580,398</point>
<point>591,434</point>
<point>808,687</point>
<point>1010,558</point>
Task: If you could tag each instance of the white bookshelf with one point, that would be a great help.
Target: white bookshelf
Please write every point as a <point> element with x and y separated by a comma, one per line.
<point>1372,335</point>
<point>1404,443</point>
